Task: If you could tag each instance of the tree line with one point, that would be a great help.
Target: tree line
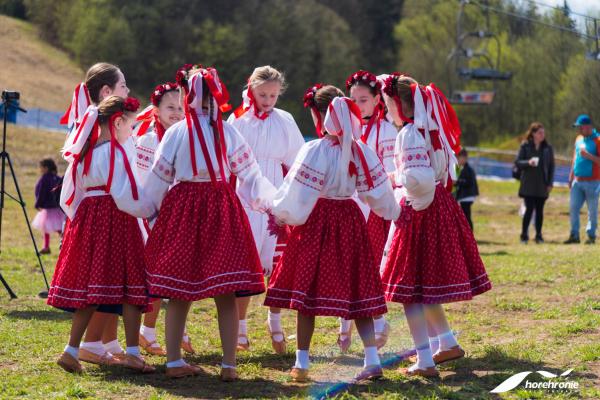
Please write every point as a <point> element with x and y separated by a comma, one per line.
<point>325,40</point>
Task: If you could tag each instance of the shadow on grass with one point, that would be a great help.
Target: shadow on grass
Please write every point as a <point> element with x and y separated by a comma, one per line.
<point>468,378</point>
<point>43,315</point>
<point>494,253</point>
<point>208,385</point>
<point>491,243</point>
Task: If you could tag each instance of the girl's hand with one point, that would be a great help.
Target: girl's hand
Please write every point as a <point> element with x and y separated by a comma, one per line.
<point>274,225</point>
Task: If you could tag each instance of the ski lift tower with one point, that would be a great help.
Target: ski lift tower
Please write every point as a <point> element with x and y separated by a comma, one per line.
<point>457,63</point>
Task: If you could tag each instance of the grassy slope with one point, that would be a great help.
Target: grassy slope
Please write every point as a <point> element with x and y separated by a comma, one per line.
<point>44,75</point>
<point>543,314</point>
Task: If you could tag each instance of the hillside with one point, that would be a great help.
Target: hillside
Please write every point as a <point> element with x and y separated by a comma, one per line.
<point>44,75</point>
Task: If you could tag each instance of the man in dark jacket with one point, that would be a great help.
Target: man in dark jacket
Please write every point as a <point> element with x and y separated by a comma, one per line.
<point>466,185</point>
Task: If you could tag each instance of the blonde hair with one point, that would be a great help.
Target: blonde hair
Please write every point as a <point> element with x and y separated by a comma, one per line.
<point>266,74</point>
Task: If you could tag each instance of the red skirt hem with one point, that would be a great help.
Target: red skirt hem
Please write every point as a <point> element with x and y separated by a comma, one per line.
<point>202,246</point>
<point>433,258</point>
<point>101,259</point>
<point>327,268</point>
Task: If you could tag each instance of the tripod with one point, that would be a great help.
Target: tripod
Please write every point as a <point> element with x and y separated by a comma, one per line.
<point>7,103</point>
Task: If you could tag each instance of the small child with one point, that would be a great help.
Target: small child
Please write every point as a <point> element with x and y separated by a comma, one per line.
<point>466,185</point>
<point>50,217</point>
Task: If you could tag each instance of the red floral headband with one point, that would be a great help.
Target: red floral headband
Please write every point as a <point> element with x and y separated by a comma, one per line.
<point>182,75</point>
<point>364,77</point>
<point>309,95</point>
<point>131,104</point>
<point>160,90</point>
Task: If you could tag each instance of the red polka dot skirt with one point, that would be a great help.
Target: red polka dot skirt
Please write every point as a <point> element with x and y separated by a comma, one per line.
<point>202,246</point>
<point>378,229</point>
<point>434,258</point>
<point>328,268</point>
<point>101,259</point>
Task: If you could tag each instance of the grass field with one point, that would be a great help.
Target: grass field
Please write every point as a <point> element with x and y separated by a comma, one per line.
<point>542,314</point>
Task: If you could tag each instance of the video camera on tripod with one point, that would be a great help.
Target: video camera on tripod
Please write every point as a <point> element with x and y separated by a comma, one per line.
<point>9,98</point>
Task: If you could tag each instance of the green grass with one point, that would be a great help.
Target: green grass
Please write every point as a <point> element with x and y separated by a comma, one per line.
<point>542,314</point>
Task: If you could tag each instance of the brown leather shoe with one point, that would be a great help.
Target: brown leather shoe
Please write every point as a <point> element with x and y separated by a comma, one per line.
<point>187,346</point>
<point>278,346</point>
<point>148,347</point>
<point>228,374</point>
<point>181,372</point>
<point>430,372</point>
<point>69,363</point>
<point>369,373</point>
<point>453,353</point>
<point>93,358</point>
<point>137,363</point>
<point>299,375</point>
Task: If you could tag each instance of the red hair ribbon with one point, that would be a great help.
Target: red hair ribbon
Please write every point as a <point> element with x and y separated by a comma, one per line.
<point>241,110</point>
<point>82,87</point>
<point>114,145</point>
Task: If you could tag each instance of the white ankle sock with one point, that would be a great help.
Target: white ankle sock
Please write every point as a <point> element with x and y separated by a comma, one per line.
<point>242,330</point>
<point>418,326</point>
<point>434,344</point>
<point>94,347</point>
<point>133,351</point>
<point>424,358</point>
<point>113,347</point>
<point>185,337</point>
<point>148,333</point>
<point>371,356</point>
<point>345,326</point>
<point>223,365</point>
<point>302,360</point>
<point>176,363</point>
<point>274,321</point>
<point>447,340</point>
<point>379,324</point>
<point>74,351</point>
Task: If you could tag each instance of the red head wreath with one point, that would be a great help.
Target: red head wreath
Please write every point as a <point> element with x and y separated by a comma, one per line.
<point>149,114</point>
<point>368,79</point>
<point>309,102</point>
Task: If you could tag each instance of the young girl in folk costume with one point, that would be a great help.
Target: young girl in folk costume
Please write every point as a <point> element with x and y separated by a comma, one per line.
<point>50,217</point>
<point>164,112</point>
<point>99,264</point>
<point>100,344</point>
<point>201,245</point>
<point>275,139</point>
<point>365,90</point>
<point>433,257</point>
<point>328,268</point>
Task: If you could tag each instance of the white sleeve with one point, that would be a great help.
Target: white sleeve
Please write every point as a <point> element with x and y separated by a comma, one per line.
<point>413,168</point>
<point>387,143</point>
<point>295,140</point>
<point>380,197</point>
<point>255,189</point>
<point>301,187</point>
<point>162,173</point>
<point>121,190</point>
